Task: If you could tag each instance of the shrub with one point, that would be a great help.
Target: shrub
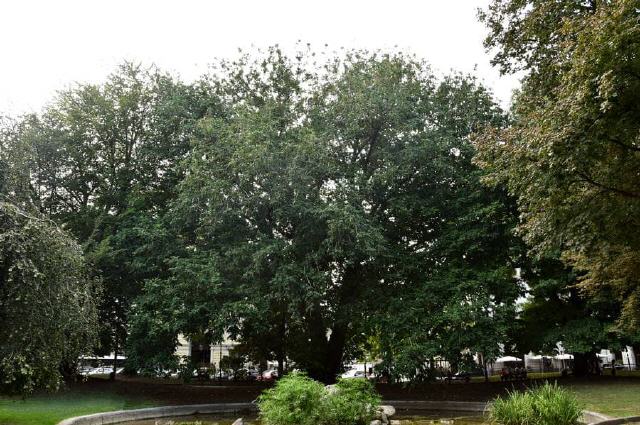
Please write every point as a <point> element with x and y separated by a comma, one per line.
<point>516,409</point>
<point>48,302</point>
<point>544,405</point>
<point>295,400</point>
<point>354,402</point>
<point>299,400</point>
<point>555,406</point>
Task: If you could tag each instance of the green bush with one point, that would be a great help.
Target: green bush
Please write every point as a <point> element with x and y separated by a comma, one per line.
<point>555,406</point>
<point>295,400</point>
<point>544,405</point>
<point>516,409</point>
<point>299,400</point>
<point>354,402</point>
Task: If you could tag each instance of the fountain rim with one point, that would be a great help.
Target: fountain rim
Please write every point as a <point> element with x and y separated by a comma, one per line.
<point>121,416</point>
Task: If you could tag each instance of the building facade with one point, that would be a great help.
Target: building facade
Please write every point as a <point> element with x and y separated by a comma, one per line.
<point>205,355</point>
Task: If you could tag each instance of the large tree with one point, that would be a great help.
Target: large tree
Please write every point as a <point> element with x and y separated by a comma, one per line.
<point>102,160</point>
<point>319,198</point>
<point>572,153</point>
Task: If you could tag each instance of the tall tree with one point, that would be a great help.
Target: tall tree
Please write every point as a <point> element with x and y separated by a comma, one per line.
<point>102,160</point>
<point>319,197</point>
<point>572,152</point>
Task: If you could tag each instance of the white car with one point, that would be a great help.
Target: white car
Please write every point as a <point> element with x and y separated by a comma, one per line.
<point>104,370</point>
<point>85,370</point>
<point>353,373</point>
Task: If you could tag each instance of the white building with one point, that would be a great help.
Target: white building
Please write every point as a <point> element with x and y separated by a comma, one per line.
<point>205,354</point>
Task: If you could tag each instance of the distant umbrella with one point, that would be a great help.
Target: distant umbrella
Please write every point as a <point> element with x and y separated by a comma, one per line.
<point>508,359</point>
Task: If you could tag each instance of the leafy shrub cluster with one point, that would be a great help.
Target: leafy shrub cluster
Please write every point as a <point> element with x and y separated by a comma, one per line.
<point>544,405</point>
<point>299,400</point>
<point>48,311</point>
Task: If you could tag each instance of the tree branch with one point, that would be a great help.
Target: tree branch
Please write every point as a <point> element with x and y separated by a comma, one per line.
<point>623,192</point>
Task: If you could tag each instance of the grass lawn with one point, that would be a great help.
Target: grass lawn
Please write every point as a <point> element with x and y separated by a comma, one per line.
<point>616,399</point>
<point>629,373</point>
<point>530,375</point>
<point>52,408</point>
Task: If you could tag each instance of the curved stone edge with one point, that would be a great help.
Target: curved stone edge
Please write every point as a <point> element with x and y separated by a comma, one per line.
<point>462,406</point>
<point>188,410</point>
<point>616,421</point>
<point>588,417</point>
<point>157,412</point>
<point>591,418</point>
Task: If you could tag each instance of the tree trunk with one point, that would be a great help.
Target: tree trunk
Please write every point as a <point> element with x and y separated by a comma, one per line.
<point>316,361</point>
<point>580,364</point>
<point>280,360</point>
<point>281,354</point>
<point>112,376</point>
<point>329,349</point>
<point>335,353</point>
<point>585,364</point>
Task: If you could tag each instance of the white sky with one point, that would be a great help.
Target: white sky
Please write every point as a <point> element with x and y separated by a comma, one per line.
<point>48,45</point>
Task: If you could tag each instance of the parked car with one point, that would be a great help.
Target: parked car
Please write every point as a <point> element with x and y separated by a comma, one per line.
<point>268,375</point>
<point>252,375</point>
<point>220,375</point>
<point>105,370</point>
<point>161,373</point>
<point>353,373</point>
<point>85,370</point>
<point>465,375</point>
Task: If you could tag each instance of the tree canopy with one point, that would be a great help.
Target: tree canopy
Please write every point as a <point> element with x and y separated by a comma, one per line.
<point>320,198</point>
<point>571,154</point>
<point>102,161</point>
<point>315,206</point>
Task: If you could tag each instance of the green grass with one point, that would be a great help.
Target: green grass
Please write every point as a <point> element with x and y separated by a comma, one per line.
<point>530,375</point>
<point>52,408</point>
<point>628,373</point>
<point>617,399</point>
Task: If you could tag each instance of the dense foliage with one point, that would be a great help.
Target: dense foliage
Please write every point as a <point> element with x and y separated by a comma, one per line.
<point>320,201</point>
<point>307,211</point>
<point>47,302</point>
<point>557,311</point>
<point>548,404</point>
<point>102,160</point>
<point>320,210</point>
<point>571,153</point>
<point>299,400</point>
<point>351,402</point>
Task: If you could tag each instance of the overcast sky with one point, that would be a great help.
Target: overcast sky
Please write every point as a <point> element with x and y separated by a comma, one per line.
<point>47,45</point>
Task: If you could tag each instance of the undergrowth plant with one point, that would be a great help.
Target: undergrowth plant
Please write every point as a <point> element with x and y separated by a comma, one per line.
<point>298,400</point>
<point>548,404</point>
<point>295,400</point>
<point>353,402</point>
